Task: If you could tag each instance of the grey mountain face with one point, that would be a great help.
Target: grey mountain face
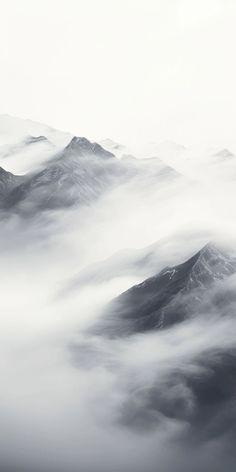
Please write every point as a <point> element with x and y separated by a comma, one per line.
<point>83,147</point>
<point>200,396</point>
<point>79,174</point>
<point>199,393</point>
<point>8,182</point>
<point>171,296</point>
<point>190,389</point>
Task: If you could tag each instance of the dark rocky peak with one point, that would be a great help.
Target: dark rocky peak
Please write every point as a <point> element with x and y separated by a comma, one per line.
<point>210,264</point>
<point>76,175</point>
<point>206,266</point>
<point>169,297</point>
<point>84,147</point>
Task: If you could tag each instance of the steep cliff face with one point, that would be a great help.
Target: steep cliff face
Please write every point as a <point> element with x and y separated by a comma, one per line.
<point>170,296</point>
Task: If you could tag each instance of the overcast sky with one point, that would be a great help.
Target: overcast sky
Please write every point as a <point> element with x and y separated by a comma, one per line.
<point>130,70</point>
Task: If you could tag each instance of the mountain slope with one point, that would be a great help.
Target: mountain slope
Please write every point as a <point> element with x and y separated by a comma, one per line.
<point>81,173</point>
<point>8,182</point>
<point>78,174</point>
<point>169,297</point>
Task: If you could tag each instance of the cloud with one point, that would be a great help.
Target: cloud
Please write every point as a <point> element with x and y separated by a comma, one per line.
<point>73,401</point>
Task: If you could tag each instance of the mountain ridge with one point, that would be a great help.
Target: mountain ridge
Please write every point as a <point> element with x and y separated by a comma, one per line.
<point>170,296</point>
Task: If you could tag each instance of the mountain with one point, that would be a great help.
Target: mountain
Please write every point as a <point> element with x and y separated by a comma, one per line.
<point>26,145</point>
<point>61,170</point>
<point>8,182</point>
<point>14,129</point>
<point>223,154</point>
<point>82,147</point>
<point>171,296</point>
<point>80,173</point>
<point>137,263</point>
<point>192,377</point>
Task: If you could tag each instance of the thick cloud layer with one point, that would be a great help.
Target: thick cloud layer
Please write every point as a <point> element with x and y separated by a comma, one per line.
<point>72,399</point>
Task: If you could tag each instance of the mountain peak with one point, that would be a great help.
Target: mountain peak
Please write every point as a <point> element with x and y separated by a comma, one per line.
<point>77,142</point>
<point>83,146</point>
<point>209,264</point>
<point>169,297</point>
<point>224,153</point>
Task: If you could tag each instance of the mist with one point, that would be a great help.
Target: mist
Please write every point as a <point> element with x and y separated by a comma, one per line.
<point>74,400</point>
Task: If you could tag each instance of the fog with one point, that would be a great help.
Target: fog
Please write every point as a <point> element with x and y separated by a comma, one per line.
<point>71,400</point>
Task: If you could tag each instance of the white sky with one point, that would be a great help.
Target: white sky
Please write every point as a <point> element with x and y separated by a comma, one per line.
<point>130,70</point>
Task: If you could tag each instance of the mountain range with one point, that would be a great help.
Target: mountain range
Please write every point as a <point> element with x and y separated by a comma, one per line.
<point>78,174</point>
<point>117,310</point>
